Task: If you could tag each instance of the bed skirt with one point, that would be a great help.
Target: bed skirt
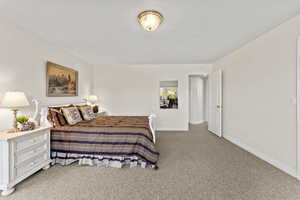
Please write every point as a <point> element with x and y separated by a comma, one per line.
<point>97,160</point>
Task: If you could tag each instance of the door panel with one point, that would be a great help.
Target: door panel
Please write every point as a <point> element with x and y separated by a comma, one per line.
<point>215,103</point>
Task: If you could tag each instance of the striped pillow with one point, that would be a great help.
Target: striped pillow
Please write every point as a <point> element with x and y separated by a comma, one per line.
<point>72,115</point>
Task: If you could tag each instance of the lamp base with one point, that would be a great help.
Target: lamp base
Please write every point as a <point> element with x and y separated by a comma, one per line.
<point>15,126</point>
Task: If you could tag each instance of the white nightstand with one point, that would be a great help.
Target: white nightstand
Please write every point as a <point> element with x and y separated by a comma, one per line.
<point>102,112</point>
<point>21,155</point>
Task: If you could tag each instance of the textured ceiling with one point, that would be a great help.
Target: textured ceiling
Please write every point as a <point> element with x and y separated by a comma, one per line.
<point>107,32</point>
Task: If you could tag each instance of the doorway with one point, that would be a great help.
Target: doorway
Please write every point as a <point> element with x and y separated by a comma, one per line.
<point>198,99</point>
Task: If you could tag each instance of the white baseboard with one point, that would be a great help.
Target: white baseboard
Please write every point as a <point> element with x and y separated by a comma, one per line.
<point>197,122</point>
<point>275,163</point>
<point>170,129</point>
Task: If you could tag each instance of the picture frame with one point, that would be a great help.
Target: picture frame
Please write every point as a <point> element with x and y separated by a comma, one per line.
<point>168,94</point>
<point>61,81</point>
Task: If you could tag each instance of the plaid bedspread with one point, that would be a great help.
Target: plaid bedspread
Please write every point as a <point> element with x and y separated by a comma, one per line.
<point>107,136</point>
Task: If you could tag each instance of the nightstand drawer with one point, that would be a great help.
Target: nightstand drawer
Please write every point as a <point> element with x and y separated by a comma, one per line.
<point>29,141</point>
<point>30,164</point>
<point>22,156</point>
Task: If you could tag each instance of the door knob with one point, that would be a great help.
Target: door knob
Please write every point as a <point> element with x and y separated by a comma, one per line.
<point>219,106</point>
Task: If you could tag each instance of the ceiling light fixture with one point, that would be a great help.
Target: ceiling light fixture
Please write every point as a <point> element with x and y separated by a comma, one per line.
<point>150,19</point>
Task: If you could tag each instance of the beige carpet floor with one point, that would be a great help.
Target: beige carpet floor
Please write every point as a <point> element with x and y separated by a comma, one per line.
<point>194,165</point>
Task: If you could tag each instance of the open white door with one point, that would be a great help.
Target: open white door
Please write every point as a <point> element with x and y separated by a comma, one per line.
<point>215,103</point>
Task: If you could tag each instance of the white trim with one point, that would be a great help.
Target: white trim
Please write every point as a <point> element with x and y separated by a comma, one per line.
<point>197,122</point>
<point>221,102</point>
<point>298,109</point>
<point>171,129</point>
<point>263,156</point>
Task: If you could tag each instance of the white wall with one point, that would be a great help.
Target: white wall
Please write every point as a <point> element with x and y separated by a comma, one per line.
<point>23,59</point>
<point>197,100</point>
<point>259,94</point>
<point>134,90</point>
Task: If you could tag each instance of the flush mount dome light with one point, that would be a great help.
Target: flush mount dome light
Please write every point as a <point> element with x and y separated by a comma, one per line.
<point>150,19</point>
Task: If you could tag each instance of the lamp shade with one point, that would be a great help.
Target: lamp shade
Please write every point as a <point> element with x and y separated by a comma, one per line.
<point>14,100</point>
<point>92,98</point>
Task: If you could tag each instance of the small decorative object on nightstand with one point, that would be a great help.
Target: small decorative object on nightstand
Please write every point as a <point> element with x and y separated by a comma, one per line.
<point>22,154</point>
<point>95,109</point>
<point>24,124</point>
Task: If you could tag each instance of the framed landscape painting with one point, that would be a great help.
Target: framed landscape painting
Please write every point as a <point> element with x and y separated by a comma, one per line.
<point>61,81</point>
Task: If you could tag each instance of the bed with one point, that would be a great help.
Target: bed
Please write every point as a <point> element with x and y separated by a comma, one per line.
<point>111,141</point>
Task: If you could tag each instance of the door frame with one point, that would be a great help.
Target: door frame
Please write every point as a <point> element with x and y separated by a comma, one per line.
<point>298,109</point>
<point>221,101</point>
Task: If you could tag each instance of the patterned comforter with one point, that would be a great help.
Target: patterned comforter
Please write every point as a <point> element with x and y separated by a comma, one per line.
<point>105,140</point>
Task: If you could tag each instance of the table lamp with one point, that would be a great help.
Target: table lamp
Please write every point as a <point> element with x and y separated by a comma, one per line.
<point>14,101</point>
<point>92,99</point>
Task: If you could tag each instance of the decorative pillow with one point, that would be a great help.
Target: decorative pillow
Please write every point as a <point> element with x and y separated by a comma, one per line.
<point>87,112</point>
<point>60,116</point>
<point>53,118</point>
<point>72,115</point>
<point>61,119</point>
